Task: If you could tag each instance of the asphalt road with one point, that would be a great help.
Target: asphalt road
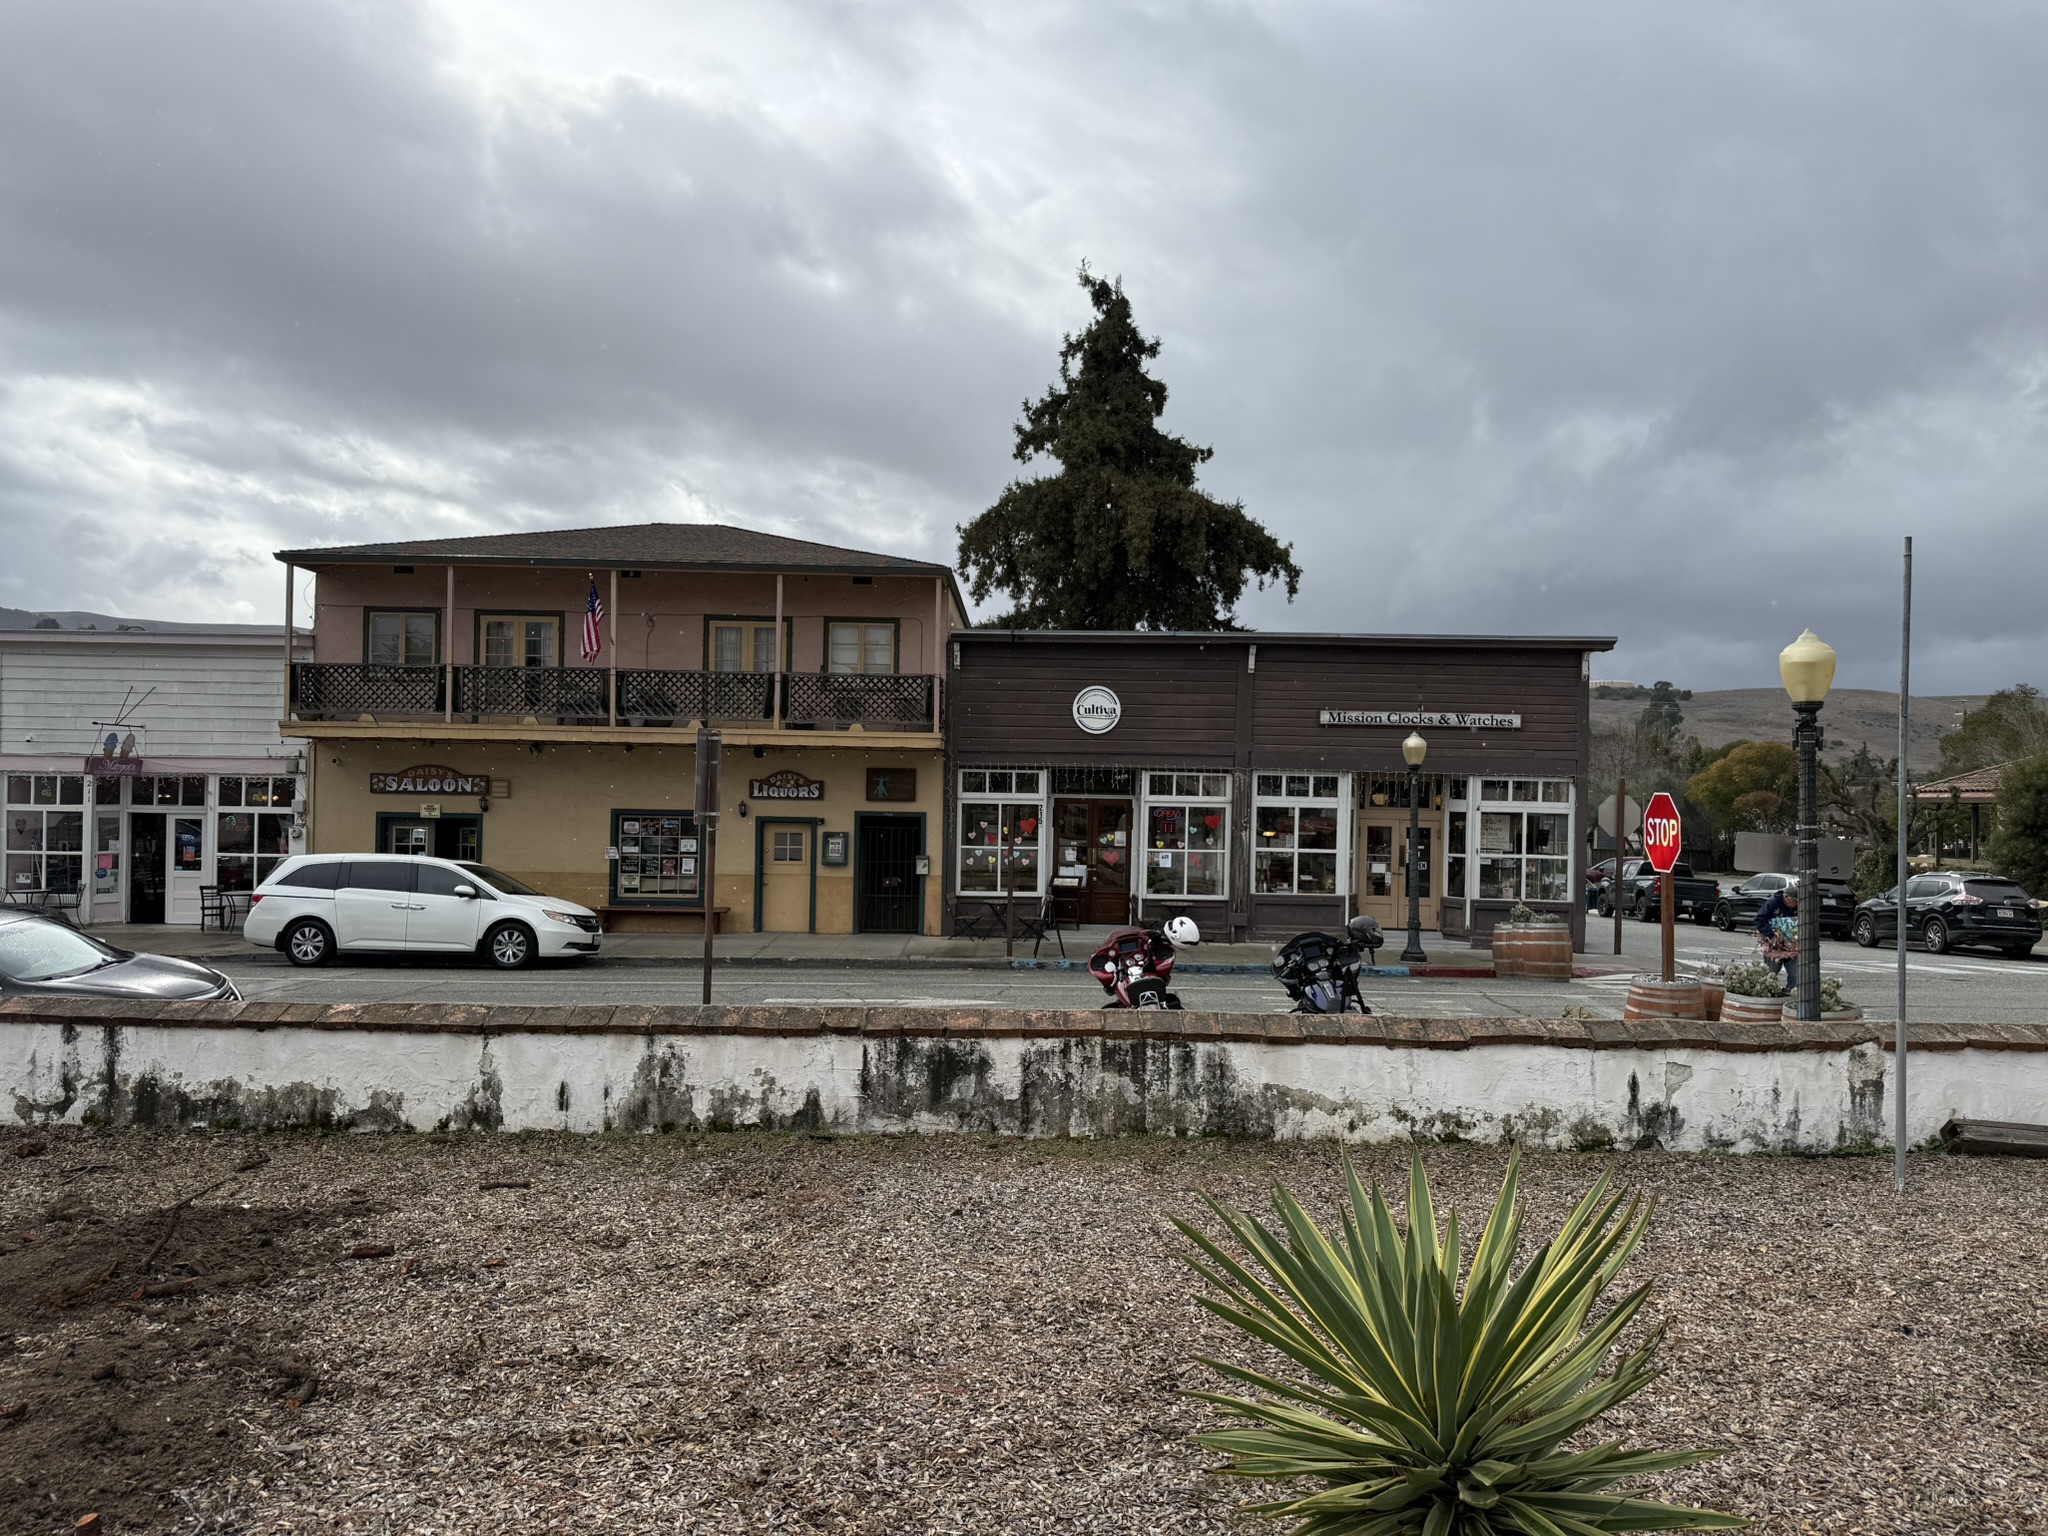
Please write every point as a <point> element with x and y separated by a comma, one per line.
<point>1955,988</point>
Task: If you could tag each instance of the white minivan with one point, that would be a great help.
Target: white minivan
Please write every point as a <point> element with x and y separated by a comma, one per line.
<point>316,905</point>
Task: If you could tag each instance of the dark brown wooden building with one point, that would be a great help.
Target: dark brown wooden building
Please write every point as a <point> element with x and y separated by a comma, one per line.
<point>1256,781</point>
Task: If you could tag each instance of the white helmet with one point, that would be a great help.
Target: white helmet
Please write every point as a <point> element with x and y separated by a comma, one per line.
<point>1182,931</point>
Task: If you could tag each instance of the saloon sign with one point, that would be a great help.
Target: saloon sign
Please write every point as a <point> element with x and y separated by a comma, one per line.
<point>429,781</point>
<point>786,784</point>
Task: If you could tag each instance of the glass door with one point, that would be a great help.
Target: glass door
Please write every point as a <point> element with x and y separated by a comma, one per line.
<point>1384,878</point>
<point>1094,838</point>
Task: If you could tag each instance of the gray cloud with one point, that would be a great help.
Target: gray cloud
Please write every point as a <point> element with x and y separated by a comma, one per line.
<point>1666,322</point>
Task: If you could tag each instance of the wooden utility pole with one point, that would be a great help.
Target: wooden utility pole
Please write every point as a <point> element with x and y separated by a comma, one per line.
<point>1667,901</point>
<point>1620,848</point>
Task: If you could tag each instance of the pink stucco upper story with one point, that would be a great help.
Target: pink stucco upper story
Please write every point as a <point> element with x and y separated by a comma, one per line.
<point>674,582</point>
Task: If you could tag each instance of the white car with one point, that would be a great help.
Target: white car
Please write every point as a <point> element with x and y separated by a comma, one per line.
<point>314,906</point>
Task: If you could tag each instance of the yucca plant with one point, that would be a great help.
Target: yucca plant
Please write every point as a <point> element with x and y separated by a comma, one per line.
<point>1432,1407</point>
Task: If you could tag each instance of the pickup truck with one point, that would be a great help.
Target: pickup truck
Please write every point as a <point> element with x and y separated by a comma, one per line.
<point>1696,897</point>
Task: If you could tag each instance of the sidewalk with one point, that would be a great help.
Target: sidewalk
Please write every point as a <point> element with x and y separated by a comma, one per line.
<point>855,951</point>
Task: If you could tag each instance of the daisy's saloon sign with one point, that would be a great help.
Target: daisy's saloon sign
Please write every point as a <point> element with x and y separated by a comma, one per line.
<point>429,781</point>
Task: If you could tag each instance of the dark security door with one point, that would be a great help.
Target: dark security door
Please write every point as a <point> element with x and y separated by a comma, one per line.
<point>886,886</point>
<point>146,868</point>
<point>1094,837</point>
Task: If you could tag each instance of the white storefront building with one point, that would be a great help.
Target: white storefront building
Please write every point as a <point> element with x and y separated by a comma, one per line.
<point>141,766</point>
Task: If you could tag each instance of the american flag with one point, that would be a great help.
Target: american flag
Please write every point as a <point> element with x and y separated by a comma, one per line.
<point>593,616</point>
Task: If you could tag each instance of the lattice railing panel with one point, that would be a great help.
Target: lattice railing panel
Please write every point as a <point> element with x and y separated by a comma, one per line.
<point>558,695</point>
<point>828,699</point>
<point>324,690</point>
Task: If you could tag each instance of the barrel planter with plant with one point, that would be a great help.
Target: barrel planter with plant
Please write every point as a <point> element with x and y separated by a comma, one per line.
<point>1755,994</point>
<point>1533,945</point>
<point>1713,990</point>
<point>1651,999</point>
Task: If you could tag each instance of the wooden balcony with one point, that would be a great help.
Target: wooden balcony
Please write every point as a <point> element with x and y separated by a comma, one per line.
<point>581,698</point>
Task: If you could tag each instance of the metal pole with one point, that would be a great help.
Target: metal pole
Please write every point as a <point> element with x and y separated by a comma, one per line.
<point>710,762</point>
<point>1899,1029</point>
<point>1667,899</point>
<point>1413,955</point>
<point>1808,737</point>
<point>1620,848</point>
<point>611,651</point>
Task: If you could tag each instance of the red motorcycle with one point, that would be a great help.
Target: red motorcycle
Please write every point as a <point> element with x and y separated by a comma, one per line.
<point>1134,965</point>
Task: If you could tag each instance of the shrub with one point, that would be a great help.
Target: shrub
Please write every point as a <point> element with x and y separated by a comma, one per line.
<point>2019,847</point>
<point>1431,1407</point>
<point>1752,978</point>
<point>1831,995</point>
<point>1519,913</point>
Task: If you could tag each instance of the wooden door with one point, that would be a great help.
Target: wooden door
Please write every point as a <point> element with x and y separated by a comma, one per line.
<point>1382,868</point>
<point>785,877</point>
<point>1096,837</point>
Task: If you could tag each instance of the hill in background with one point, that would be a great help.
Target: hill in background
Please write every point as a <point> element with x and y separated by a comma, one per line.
<point>1852,717</point>
<point>26,618</point>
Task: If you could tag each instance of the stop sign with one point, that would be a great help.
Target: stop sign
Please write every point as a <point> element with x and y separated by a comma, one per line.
<point>1660,833</point>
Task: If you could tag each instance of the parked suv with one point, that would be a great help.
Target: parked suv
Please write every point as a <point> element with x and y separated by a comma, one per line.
<point>1947,910</point>
<point>1740,904</point>
<point>315,905</point>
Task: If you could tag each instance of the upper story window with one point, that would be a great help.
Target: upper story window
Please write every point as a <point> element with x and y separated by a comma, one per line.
<point>404,639</point>
<point>852,646</point>
<point>741,644</point>
<point>522,640</point>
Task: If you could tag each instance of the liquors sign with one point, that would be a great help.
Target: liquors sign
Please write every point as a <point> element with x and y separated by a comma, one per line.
<point>1448,718</point>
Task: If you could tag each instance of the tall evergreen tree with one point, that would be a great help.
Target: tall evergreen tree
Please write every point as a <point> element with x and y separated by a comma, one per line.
<point>1119,538</point>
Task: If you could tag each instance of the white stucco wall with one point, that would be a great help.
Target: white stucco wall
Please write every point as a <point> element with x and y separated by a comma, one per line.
<point>1679,1098</point>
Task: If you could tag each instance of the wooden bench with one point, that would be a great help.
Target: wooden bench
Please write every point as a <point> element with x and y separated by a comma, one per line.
<point>606,914</point>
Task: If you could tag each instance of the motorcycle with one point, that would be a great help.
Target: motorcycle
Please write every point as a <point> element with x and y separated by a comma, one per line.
<point>1135,965</point>
<point>1321,973</point>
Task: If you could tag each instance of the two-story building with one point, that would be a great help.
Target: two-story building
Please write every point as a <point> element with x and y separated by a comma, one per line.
<point>141,767</point>
<point>465,699</point>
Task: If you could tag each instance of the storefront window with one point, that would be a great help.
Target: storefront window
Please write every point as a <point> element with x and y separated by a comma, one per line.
<point>168,790</point>
<point>249,845</point>
<point>1294,833</point>
<point>657,858</point>
<point>1187,834</point>
<point>1520,855</point>
<point>45,844</point>
<point>999,843</point>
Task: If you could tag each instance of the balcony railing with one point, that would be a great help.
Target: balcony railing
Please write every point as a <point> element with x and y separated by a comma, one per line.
<point>646,699</point>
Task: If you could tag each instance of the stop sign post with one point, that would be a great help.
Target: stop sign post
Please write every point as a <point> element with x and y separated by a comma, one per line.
<point>1661,842</point>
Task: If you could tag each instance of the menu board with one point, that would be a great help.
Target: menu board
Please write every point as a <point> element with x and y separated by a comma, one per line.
<point>657,856</point>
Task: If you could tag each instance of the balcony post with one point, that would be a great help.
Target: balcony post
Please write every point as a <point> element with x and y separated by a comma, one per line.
<point>288,640</point>
<point>775,704</point>
<point>935,652</point>
<point>448,654</point>
<point>611,624</point>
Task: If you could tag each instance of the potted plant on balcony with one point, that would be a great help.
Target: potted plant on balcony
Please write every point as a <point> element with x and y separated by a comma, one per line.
<point>1755,994</point>
<point>1537,945</point>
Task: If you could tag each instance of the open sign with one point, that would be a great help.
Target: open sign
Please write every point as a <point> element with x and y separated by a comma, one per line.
<point>1661,833</point>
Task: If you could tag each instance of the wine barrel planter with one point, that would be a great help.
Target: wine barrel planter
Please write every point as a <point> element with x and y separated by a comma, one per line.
<point>1752,1010</point>
<point>1651,999</point>
<point>1539,951</point>
<point>1711,994</point>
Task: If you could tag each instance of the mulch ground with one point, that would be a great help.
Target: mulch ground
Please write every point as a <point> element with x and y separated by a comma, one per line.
<point>751,1333</point>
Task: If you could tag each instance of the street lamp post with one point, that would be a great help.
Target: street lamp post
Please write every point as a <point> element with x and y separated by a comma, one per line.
<point>1807,666</point>
<point>1414,749</point>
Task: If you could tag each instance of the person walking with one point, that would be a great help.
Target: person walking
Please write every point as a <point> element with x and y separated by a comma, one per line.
<point>1777,927</point>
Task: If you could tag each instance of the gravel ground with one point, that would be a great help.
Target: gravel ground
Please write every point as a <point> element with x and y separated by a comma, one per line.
<point>759,1333</point>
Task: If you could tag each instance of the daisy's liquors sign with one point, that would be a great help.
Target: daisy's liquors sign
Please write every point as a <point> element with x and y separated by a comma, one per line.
<point>429,781</point>
<point>1446,718</point>
<point>786,784</point>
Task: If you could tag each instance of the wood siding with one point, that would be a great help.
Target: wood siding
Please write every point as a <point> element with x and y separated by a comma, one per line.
<point>207,701</point>
<point>1014,703</point>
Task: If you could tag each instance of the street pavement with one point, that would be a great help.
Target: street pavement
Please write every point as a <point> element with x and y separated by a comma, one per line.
<point>1954,988</point>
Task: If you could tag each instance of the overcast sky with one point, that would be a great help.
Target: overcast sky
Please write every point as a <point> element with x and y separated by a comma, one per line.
<point>1658,320</point>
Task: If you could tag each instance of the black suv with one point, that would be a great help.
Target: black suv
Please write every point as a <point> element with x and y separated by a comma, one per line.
<point>1740,904</point>
<point>1946,910</point>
